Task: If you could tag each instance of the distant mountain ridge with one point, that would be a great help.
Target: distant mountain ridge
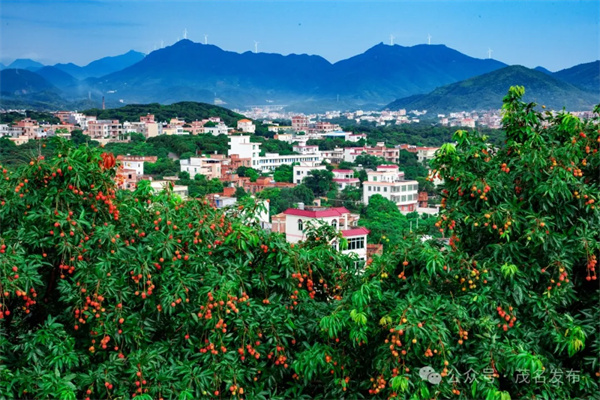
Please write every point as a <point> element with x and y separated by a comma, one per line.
<point>103,66</point>
<point>485,92</point>
<point>198,72</point>
<point>188,71</point>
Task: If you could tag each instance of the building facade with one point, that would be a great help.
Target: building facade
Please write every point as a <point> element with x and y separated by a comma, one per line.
<point>389,182</point>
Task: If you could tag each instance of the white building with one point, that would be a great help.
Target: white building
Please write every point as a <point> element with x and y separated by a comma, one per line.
<point>334,156</point>
<point>219,129</point>
<point>270,161</point>
<point>209,167</point>
<point>304,149</point>
<point>246,126</point>
<point>242,146</point>
<point>425,154</point>
<point>388,182</point>
<point>297,219</point>
<point>105,128</point>
<point>303,170</point>
<point>344,178</point>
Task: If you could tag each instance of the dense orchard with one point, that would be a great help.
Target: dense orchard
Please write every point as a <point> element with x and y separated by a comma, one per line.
<point>114,294</point>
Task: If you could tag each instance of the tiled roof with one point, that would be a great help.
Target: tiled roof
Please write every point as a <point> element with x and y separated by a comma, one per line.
<point>355,232</point>
<point>330,212</point>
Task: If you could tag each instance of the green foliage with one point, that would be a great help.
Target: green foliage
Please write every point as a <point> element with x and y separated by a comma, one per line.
<point>186,110</point>
<point>272,146</point>
<point>240,193</point>
<point>320,182</point>
<point>369,162</point>
<point>282,199</point>
<point>248,172</point>
<point>41,117</point>
<point>107,294</point>
<point>284,173</point>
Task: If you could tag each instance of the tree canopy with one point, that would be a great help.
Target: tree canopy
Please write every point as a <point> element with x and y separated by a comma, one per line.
<point>117,294</point>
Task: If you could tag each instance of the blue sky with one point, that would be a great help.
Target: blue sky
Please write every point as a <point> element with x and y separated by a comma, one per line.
<point>554,34</point>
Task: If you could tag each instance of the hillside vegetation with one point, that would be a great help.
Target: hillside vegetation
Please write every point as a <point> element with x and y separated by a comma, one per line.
<point>485,91</point>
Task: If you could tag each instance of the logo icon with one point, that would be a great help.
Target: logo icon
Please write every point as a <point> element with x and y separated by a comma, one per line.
<point>429,374</point>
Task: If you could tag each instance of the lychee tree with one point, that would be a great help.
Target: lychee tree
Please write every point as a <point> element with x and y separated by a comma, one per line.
<point>509,308</point>
<point>116,294</point>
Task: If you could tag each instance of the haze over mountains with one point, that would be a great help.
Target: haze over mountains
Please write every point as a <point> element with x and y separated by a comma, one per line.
<point>198,72</point>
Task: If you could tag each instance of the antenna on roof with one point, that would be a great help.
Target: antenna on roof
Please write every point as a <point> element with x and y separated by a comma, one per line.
<point>205,38</point>
<point>256,46</point>
<point>490,51</point>
<point>392,37</point>
<point>428,38</point>
<point>185,33</point>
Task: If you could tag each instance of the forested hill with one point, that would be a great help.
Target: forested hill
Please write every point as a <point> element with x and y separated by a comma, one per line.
<point>187,110</point>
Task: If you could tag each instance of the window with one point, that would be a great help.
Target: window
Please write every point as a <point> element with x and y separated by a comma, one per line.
<point>356,243</point>
<point>404,188</point>
<point>300,225</point>
<point>385,189</point>
<point>374,179</point>
<point>334,223</point>
<point>369,187</point>
<point>404,198</point>
<point>297,172</point>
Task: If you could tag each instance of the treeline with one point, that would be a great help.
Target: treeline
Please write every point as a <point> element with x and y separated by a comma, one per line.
<point>13,116</point>
<point>186,110</point>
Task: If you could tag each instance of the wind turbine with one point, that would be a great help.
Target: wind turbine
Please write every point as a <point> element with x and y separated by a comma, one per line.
<point>185,33</point>
<point>428,38</point>
<point>392,37</point>
<point>205,38</point>
<point>256,46</point>
<point>490,51</point>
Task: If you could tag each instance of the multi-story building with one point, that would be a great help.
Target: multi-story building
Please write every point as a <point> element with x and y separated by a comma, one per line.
<point>425,154</point>
<point>334,156</point>
<point>244,149</point>
<point>304,149</point>
<point>209,167</point>
<point>345,178</point>
<point>300,123</point>
<point>271,161</point>
<point>391,155</point>
<point>105,129</point>
<point>303,170</point>
<point>389,182</point>
<point>297,220</point>
<point>218,129</point>
<point>241,146</point>
<point>131,170</point>
<point>246,126</point>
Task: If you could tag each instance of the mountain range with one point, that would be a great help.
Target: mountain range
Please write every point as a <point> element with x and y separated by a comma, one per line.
<point>485,92</point>
<point>199,72</point>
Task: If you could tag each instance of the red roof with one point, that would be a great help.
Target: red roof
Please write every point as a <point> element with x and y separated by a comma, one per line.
<point>330,212</point>
<point>388,166</point>
<point>355,232</point>
<point>343,171</point>
<point>345,179</point>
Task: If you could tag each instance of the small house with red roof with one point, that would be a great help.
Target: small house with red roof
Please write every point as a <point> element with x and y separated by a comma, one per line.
<point>297,219</point>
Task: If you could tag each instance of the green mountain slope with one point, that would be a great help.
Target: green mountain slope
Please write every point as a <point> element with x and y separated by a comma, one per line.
<point>187,110</point>
<point>584,76</point>
<point>485,92</point>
